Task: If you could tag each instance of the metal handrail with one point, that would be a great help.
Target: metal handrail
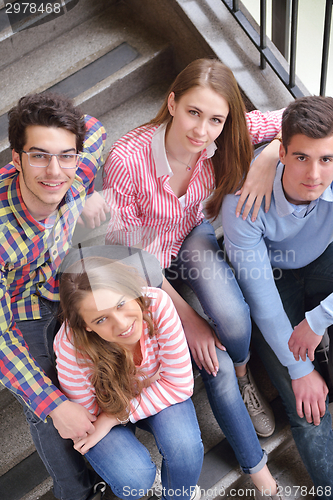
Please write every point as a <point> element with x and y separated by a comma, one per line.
<point>288,78</point>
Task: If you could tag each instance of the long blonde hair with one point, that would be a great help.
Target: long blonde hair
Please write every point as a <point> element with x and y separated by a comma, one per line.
<point>233,156</point>
<point>114,375</point>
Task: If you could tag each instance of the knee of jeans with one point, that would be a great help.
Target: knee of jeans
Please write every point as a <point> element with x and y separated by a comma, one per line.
<point>192,450</point>
<point>235,323</point>
<point>226,377</point>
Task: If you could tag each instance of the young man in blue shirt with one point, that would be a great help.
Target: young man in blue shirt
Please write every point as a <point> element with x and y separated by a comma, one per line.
<point>283,262</point>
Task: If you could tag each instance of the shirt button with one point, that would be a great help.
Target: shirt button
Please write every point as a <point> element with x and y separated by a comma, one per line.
<point>57,238</point>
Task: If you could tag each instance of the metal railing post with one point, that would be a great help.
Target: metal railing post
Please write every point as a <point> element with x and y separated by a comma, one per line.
<point>263,15</point>
<point>326,43</point>
<point>293,39</point>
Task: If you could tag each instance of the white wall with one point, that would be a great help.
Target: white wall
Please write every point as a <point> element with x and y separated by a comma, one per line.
<point>311,16</point>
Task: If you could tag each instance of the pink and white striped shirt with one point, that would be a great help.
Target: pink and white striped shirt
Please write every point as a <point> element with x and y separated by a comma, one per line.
<point>144,209</point>
<point>167,350</point>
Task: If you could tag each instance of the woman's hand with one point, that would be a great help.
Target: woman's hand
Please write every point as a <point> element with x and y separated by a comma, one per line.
<point>259,182</point>
<point>200,337</point>
<point>103,425</point>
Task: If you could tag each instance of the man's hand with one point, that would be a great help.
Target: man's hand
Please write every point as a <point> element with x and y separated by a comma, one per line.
<point>310,393</point>
<point>72,420</point>
<point>103,425</point>
<point>304,341</point>
<point>94,212</point>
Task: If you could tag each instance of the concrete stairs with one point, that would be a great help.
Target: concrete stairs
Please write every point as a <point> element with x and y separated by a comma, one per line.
<point>110,57</point>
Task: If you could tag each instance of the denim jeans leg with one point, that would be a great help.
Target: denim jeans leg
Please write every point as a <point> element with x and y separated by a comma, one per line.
<point>201,265</point>
<point>71,478</point>
<point>178,438</point>
<point>123,462</point>
<point>314,443</point>
<point>232,416</point>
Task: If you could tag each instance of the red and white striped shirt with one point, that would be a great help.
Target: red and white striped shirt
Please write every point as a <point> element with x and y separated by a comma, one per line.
<point>144,209</point>
<point>167,350</point>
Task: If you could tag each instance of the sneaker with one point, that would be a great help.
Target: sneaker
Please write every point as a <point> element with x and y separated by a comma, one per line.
<point>98,492</point>
<point>259,410</point>
<point>260,495</point>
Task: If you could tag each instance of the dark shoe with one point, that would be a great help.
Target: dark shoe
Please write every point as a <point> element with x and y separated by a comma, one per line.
<point>259,410</point>
<point>98,493</point>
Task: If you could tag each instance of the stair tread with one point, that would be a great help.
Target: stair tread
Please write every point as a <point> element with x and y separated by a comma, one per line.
<point>15,45</point>
<point>219,468</point>
<point>104,32</point>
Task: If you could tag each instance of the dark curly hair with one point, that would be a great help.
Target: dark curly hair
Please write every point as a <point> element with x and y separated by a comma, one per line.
<point>48,110</point>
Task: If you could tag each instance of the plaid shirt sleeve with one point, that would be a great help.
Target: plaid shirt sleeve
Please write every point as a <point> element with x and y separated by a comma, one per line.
<point>25,266</point>
<point>91,160</point>
<point>19,372</point>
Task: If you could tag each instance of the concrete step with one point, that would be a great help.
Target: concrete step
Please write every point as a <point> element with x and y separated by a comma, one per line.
<point>22,33</point>
<point>220,476</point>
<point>121,59</point>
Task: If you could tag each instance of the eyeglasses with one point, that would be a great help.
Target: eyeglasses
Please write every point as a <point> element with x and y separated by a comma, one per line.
<point>42,160</point>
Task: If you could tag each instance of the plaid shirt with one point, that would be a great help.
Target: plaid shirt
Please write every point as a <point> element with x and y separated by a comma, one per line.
<point>30,255</point>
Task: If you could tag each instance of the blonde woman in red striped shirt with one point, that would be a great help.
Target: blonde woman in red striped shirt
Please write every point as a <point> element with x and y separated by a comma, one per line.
<point>122,354</point>
<point>156,179</point>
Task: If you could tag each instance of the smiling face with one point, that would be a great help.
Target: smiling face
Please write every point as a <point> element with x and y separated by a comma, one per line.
<point>308,168</point>
<point>114,317</point>
<point>198,119</point>
<point>43,189</point>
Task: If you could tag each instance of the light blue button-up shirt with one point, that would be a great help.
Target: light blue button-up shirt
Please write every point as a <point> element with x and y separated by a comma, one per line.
<point>283,238</point>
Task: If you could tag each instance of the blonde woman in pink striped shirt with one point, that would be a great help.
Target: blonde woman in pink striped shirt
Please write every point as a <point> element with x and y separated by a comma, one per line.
<point>156,179</point>
<point>122,354</point>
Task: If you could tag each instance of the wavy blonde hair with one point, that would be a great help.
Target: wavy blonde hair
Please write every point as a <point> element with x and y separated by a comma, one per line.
<point>114,375</point>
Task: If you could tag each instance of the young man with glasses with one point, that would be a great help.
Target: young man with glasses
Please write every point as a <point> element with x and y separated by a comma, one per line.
<point>56,154</point>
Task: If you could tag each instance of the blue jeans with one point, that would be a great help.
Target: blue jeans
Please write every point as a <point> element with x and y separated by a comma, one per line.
<point>201,265</point>
<point>71,478</point>
<point>125,464</point>
<point>302,290</point>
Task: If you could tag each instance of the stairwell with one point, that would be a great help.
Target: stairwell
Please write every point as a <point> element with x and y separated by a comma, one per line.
<point>116,59</point>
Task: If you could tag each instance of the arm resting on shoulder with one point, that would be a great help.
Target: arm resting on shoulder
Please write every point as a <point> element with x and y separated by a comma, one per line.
<point>259,182</point>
